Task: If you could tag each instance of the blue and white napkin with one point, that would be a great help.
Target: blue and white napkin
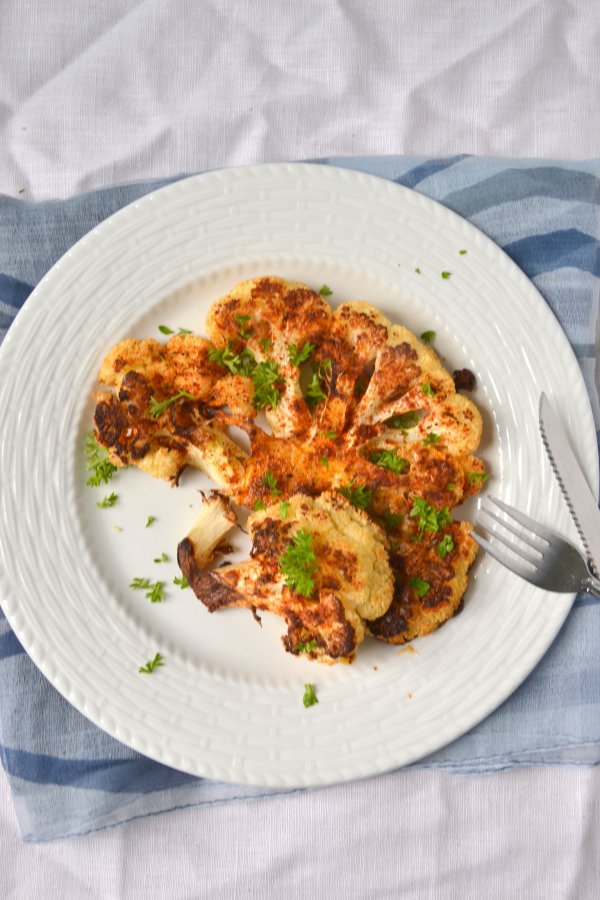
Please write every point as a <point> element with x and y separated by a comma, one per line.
<point>68,777</point>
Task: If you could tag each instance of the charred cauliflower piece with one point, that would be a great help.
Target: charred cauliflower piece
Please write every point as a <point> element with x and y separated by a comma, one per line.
<point>350,573</point>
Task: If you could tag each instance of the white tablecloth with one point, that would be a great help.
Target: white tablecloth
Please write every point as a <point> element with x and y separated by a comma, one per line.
<point>93,94</point>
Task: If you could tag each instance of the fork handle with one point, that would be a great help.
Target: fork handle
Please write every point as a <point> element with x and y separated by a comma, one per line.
<point>591,585</point>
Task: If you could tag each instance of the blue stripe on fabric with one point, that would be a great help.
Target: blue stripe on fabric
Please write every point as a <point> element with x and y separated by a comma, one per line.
<point>427,169</point>
<point>518,184</point>
<point>115,776</point>
<point>9,645</point>
<point>556,250</point>
<point>13,292</point>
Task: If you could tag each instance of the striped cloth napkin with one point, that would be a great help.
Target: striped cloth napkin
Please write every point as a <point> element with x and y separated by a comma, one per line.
<point>67,776</point>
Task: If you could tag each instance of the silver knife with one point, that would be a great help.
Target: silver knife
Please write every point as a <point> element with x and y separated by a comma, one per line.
<point>580,500</point>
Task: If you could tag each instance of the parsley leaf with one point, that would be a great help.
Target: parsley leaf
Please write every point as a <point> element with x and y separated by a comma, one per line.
<point>300,354</point>
<point>431,438</point>
<point>164,329</point>
<point>325,291</point>
<point>462,252</point>
<point>258,505</point>
<point>305,646</point>
<point>359,495</point>
<point>271,482</point>
<point>477,477</point>
<point>151,665</point>
<point>298,563</point>
<point>108,501</point>
<point>324,461</point>
<point>428,336</point>
<point>265,344</point>
<point>149,521</point>
<point>310,697</point>
<point>241,322</point>
<point>427,389</point>
<point>445,546</point>
<point>97,462</point>
<point>284,508</point>
<point>391,520</point>
<point>419,586</point>
<point>429,517</point>
<point>314,390</point>
<point>446,274</point>
<point>266,376</point>
<point>157,409</point>
<point>404,420</point>
<point>162,558</point>
<point>154,592</point>
<point>237,363</point>
<point>332,435</point>
<point>389,459</point>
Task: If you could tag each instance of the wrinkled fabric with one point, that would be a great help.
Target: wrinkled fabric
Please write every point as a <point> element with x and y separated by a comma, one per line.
<point>67,776</point>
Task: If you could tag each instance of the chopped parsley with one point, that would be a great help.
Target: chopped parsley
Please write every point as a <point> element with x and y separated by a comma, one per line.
<point>446,274</point>
<point>306,646</point>
<point>325,291</point>
<point>241,322</point>
<point>429,517</point>
<point>271,482</point>
<point>428,336</point>
<point>157,409</point>
<point>258,505</point>
<point>284,508</point>
<point>164,329</point>
<point>154,591</point>
<point>298,563</point>
<point>404,420</point>
<point>108,501</point>
<point>324,461</point>
<point>266,377</point>
<point>332,435</point>
<point>462,252</point>
<point>477,477</point>
<point>445,546</point>
<point>389,459</point>
<point>298,354</point>
<point>265,344</point>
<point>149,521</point>
<point>162,558</point>
<point>391,520</point>
<point>427,389</point>
<point>310,697</point>
<point>419,586</point>
<point>314,390</point>
<point>418,271</point>
<point>97,462</point>
<point>181,582</point>
<point>359,495</point>
<point>151,665</point>
<point>242,363</point>
<point>431,438</point>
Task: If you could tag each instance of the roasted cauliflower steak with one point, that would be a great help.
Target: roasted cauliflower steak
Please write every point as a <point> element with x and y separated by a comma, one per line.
<point>338,405</point>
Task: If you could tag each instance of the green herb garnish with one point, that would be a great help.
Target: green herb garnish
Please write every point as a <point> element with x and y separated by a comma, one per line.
<point>359,495</point>
<point>428,336</point>
<point>404,420</point>
<point>284,508</point>
<point>431,438</point>
<point>391,520</point>
<point>310,697</point>
<point>325,291</point>
<point>242,363</point>
<point>151,665</point>
<point>154,591</point>
<point>181,582</point>
<point>446,274</point>
<point>265,344</point>
<point>149,521</point>
<point>476,477</point>
<point>389,459</point>
<point>266,376</point>
<point>419,586</point>
<point>97,462</point>
<point>298,354</point>
<point>108,501</point>
<point>324,461</point>
<point>429,517</point>
<point>305,646</point>
<point>241,322</point>
<point>271,482</point>
<point>418,271</point>
<point>164,329</point>
<point>332,435</point>
<point>462,252</point>
<point>427,389</point>
<point>298,563</point>
<point>446,545</point>
<point>157,409</point>
<point>162,558</point>
<point>258,505</point>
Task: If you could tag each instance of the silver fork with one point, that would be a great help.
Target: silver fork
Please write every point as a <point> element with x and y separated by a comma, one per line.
<point>550,562</point>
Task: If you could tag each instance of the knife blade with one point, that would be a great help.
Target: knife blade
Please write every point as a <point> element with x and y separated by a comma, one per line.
<point>576,491</point>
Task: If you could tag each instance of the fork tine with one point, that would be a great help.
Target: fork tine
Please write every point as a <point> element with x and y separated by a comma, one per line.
<point>518,532</point>
<point>524,520</point>
<point>520,554</point>
<point>510,563</point>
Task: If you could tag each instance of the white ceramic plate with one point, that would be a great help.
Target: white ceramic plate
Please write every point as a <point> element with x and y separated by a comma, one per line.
<point>228,702</point>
